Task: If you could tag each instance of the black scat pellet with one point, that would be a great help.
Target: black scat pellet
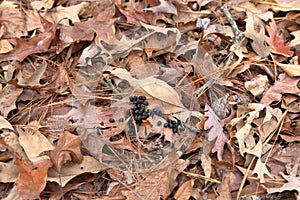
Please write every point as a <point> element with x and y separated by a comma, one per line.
<point>111,120</point>
<point>144,117</point>
<point>121,119</point>
<point>142,97</point>
<point>159,123</point>
<point>235,107</point>
<point>131,99</point>
<point>181,128</point>
<point>175,130</point>
<point>202,105</point>
<point>140,101</point>
<point>173,122</point>
<point>135,98</point>
<point>138,105</point>
<point>166,124</point>
<point>136,111</point>
<point>146,103</point>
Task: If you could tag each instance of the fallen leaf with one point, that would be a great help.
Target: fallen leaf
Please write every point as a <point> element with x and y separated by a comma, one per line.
<point>257,85</point>
<point>62,14</point>
<point>296,40</point>
<point>68,149</point>
<point>292,184</point>
<point>33,142</point>
<point>285,84</point>
<point>290,69</point>
<point>164,7</point>
<point>71,170</point>
<point>8,98</point>
<point>261,169</point>
<point>12,21</point>
<point>225,188</point>
<point>185,190</point>
<point>276,41</point>
<point>4,124</point>
<point>9,172</point>
<point>286,5</point>
<point>32,179</point>
<point>256,32</point>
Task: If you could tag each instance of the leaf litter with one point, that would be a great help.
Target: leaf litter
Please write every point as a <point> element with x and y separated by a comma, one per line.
<point>149,99</point>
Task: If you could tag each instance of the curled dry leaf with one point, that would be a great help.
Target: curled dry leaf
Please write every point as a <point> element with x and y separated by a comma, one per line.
<point>164,7</point>
<point>184,192</point>
<point>261,169</point>
<point>290,69</point>
<point>68,149</point>
<point>296,40</point>
<point>257,85</point>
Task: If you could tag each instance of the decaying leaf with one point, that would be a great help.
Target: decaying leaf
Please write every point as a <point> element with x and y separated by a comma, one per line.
<point>8,98</point>
<point>290,69</point>
<point>164,7</point>
<point>184,192</point>
<point>261,169</point>
<point>296,40</point>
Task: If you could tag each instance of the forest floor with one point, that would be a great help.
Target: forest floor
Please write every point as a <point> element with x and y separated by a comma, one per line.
<point>150,99</point>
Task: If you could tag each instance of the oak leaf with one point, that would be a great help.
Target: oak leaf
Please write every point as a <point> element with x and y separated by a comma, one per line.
<point>68,149</point>
<point>32,179</point>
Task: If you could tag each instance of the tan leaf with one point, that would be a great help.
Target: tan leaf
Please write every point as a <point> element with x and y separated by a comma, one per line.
<point>68,149</point>
<point>164,7</point>
<point>61,14</point>
<point>32,179</point>
<point>225,188</point>
<point>261,169</point>
<point>296,40</point>
<point>71,170</point>
<point>9,172</point>
<point>8,98</point>
<point>5,124</point>
<point>33,142</point>
<point>256,32</point>
<point>12,21</point>
<point>184,192</point>
<point>290,69</point>
<point>257,85</point>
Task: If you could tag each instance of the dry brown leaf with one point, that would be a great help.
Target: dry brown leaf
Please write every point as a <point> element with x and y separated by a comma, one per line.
<point>8,98</point>
<point>296,40</point>
<point>286,5</point>
<point>276,41</point>
<point>261,169</point>
<point>12,21</point>
<point>32,179</point>
<point>33,142</point>
<point>285,84</point>
<point>292,184</point>
<point>184,192</point>
<point>290,69</point>
<point>225,188</point>
<point>61,14</point>
<point>68,149</point>
<point>71,170</point>
<point>4,124</point>
<point>164,7</point>
<point>256,32</point>
<point>9,172</point>
<point>257,85</point>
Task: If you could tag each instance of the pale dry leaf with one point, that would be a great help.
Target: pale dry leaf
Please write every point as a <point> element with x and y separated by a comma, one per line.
<point>257,85</point>
<point>4,124</point>
<point>290,69</point>
<point>71,170</point>
<point>212,123</point>
<point>286,5</point>
<point>5,46</point>
<point>241,135</point>
<point>184,192</point>
<point>261,169</point>
<point>33,142</point>
<point>206,165</point>
<point>8,98</point>
<point>296,40</point>
<point>256,150</point>
<point>9,172</point>
<point>61,14</point>
<point>164,7</point>
<point>292,184</point>
<point>256,32</point>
